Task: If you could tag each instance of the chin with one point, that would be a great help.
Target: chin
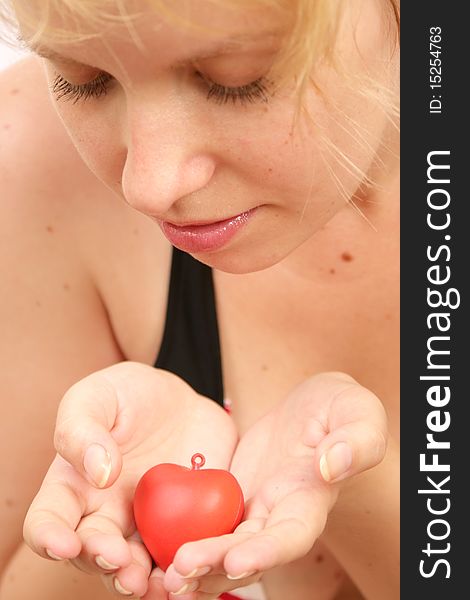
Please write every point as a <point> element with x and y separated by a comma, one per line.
<point>240,261</point>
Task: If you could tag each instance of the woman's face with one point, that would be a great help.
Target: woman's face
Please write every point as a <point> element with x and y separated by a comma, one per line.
<point>190,132</point>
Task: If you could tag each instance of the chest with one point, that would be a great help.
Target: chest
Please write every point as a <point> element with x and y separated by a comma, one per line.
<point>333,308</point>
<point>276,330</point>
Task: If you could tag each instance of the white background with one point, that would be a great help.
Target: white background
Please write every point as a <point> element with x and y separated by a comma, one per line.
<point>8,55</point>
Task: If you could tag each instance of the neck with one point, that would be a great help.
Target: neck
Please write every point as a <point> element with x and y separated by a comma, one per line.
<point>365,224</point>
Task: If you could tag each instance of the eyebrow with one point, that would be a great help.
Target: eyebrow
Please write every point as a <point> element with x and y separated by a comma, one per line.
<point>52,55</point>
<point>45,52</point>
<point>226,46</point>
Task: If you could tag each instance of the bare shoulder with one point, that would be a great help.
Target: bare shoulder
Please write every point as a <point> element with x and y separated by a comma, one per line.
<point>48,305</point>
<point>37,157</point>
<point>39,163</point>
<point>45,185</point>
<point>79,271</point>
<point>56,212</point>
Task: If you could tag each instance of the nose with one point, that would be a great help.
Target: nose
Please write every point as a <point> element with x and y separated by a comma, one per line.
<point>167,157</point>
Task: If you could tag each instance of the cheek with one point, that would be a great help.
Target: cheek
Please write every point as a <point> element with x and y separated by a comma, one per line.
<point>97,140</point>
<point>348,128</point>
<point>273,157</point>
<point>295,163</point>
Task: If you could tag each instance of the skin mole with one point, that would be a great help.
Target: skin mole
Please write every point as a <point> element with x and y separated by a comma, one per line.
<point>50,229</point>
<point>346,257</point>
<point>338,575</point>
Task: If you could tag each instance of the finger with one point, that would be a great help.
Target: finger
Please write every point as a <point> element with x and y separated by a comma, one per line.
<point>102,535</point>
<point>357,435</point>
<point>195,559</point>
<point>49,527</point>
<point>86,415</point>
<point>292,528</point>
<point>219,584</point>
<point>104,411</point>
<point>209,584</point>
<point>256,546</point>
<point>132,580</point>
<point>349,450</point>
<point>156,589</point>
<point>102,553</point>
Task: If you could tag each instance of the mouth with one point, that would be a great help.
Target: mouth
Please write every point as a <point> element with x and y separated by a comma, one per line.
<point>188,224</point>
<point>205,236</point>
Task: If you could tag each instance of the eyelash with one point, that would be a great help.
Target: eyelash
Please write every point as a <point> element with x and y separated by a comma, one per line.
<point>62,88</point>
<point>255,91</point>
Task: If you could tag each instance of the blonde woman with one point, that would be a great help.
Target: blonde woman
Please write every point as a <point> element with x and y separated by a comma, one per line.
<point>260,140</point>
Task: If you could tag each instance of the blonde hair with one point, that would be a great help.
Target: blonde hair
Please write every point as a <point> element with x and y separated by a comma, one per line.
<point>312,27</point>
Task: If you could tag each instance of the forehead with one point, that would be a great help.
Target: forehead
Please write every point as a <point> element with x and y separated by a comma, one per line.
<point>147,24</point>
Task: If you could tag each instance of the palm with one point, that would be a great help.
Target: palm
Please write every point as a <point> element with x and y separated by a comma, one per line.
<point>286,497</point>
<point>174,438</point>
<point>277,465</point>
<point>275,468</point>
<point>287,501</point>
<point>148,417</point>
<point>157,419</point>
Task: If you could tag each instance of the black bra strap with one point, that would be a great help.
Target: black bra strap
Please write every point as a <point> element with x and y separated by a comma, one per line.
<point>190,346</point>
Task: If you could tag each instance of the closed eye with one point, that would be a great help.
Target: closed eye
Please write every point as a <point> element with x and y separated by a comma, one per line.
<point>96,88</point>
<point>255,91</point>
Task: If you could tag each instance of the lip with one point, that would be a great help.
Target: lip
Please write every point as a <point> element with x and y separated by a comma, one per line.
<point>205,236</point>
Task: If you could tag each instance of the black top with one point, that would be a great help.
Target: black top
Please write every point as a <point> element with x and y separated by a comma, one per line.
<point>190,345</point>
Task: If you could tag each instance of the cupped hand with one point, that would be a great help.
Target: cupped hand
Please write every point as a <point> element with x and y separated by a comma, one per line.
<point>112,427</point>
<point>289,464</point>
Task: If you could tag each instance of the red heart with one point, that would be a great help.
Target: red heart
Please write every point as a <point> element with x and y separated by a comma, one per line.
<point>174,505</point>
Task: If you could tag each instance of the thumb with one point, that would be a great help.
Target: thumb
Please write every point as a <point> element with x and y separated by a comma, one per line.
<point>349,450</point>
<point>355,442</point>
<point>87,413</point>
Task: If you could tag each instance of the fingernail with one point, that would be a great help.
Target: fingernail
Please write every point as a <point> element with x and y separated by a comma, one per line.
<point>242,575</point>
<point>122,590</point>
<point>187,587</point>
<point>198,572</point>
<point>336,461</point>
<point>104,564</point>
<point>97,464</point>
<point>53,556</point>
